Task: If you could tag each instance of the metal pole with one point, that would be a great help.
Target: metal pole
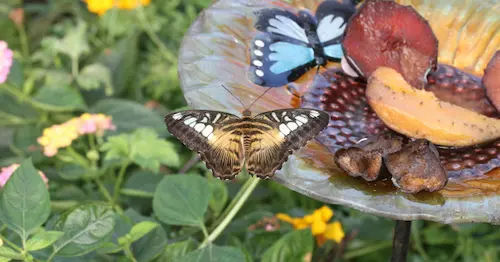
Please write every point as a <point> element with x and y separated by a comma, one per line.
<point>401,241</point>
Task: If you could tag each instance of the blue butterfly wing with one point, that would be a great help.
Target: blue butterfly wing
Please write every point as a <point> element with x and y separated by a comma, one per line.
<point>275,62</point>
<point>332,19</point>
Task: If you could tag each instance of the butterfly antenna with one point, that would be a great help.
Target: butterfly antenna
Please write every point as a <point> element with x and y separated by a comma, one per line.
<point>237,98</point>
<point>261,95</point>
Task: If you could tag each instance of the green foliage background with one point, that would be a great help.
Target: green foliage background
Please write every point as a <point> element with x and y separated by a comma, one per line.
<point>123,197</point>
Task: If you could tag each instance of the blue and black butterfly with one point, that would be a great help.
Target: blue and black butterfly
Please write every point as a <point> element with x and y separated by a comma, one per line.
<point>291,44</point>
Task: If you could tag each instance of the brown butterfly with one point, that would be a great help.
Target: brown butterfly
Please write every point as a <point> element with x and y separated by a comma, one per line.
<point>225,141</point>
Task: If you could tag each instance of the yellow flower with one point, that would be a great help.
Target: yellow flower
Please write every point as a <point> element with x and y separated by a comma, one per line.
<point>102,6</point>
<point>318,222</point>
<point>99,6</point>
<point>62,135</point>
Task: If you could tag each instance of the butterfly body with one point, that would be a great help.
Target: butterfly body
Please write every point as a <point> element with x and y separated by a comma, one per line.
<point>226,142</point>
<point>289,45</point>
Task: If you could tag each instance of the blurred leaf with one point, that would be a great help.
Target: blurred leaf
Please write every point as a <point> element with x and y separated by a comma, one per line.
<point>181,200</point>
<point>43,239</point>
<point>13,111</point>
<point>74,43</point>
<point>24,202</point>
<point>85,228</point>
<point>142,147</point>
<point>121,60</point>
<point>16,74</point>
<point>129,115</point>
<point>94,76</point>
<point>137,231</point>
<point>118,22</point>
<point>294,246</point>
<point>7,252</point>
<point>150,245</point>
<point>177,249</point>
<point>142,183</point>
<point>214,254</point>
<point>71,172</point>
<point>60,98</point>
<point>219,196</point>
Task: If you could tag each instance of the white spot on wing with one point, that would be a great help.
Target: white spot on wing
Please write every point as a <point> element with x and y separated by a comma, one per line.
<point>259,43</point>
<point>192,124</point>
<point>189,120</point>
<point>275,117</point>
<point>284,129</point>
<point>207,131</point>
<point>292,126</point>
<point>216,118</point>
<point>204,120</point>
<point>257,63</point>
<point>198,127</point>
<point>259,73</point>
<point>299,123</point>
<point>177,116</point>
<point>301,118</point>
<point>285,26</point>
<point>287,118</point>
<point>314,113</point>
<point>283,113</point>
<point>210,136</point>
<point>258,53</point>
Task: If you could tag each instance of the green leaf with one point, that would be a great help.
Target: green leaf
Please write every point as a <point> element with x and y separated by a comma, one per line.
<point>294,246</point>
<point>138,231</point>
<point>14,112</point>
<point>71,172</point>
<point>85,228</point>
<point>74,43</point>
<point>128,115</point>
<point>177,249</point>
<point>144,148</point>
<point>94,76</point>
<point>150,245</point>
<point>16,75</point>
<point>181,200</point>
<point>219,196</point>
<point>215,254</point>
<point>59,98</point>
<point>24,203</point>
<point>141,183</point>
<point>43,239</point>
<point>7,252</point>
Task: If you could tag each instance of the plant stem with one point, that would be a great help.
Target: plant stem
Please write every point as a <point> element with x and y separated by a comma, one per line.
<point>401,241</point>
<point>107,195</point>
<point>129,253</point>
<point>12,245</point>
<point>189,164</point>
<point>119,181</point>
<point>246,190</point>
<point>74,67</point>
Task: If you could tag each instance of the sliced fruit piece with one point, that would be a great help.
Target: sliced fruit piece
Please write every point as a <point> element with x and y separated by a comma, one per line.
<point>416,168</point>
<point>384,33</point>
<point>365,160</point>
<point>491,80</point>
<point>419,114</point>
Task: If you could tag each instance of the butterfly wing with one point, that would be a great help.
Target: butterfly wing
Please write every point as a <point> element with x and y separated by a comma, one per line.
<point>202,131</point>
<point>282,52</point>
<point>333,17</point>
<point>289,129</point>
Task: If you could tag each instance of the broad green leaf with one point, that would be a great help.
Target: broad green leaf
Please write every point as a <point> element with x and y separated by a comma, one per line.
<point>71,172</point>
<point>219,196</point>
<point>141,183</point>
<point>14,112</point>
<point>7,252</point>
<point>24,203</point>
<point>215,254</point>
<point>142,147</point>
<point>118,22</point>
<point>85,228</point>
<point>74,43</point>
<point>59,98</point>
<point>128,115</point>
<point>138,231</point>
<point>177,249</point>
<point>181,200</point>
<point>16,75</point>
<point>150,245</point>
<point>43,239</point>
<point>295,246</point>
<point>109,248</point>
<point>94,76</point>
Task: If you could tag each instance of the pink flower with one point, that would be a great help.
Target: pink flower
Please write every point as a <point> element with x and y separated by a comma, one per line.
<point>5,61</point>
<point>6,172</point>
<point>95,123</point>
